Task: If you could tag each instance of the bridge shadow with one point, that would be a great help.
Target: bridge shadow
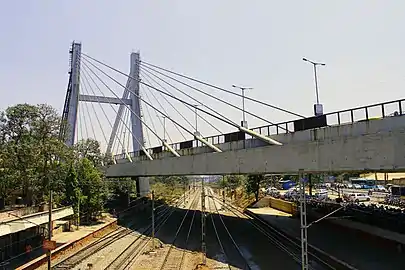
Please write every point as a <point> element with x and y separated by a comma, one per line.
<point>354,247</point>
<point>257,250</point>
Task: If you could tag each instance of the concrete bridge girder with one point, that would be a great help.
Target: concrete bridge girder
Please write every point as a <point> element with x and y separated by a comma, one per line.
<point>377,145</point>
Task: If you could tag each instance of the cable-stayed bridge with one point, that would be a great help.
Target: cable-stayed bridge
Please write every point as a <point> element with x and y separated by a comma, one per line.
<point>368,138</point>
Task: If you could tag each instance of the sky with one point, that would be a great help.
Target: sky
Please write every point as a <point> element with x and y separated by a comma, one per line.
<point>259,44</point>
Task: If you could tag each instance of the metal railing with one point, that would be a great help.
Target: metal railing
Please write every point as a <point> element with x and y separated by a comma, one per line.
<point>347,116</point>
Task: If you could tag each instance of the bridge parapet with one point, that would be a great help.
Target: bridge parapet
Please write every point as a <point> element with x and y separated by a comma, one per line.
<point>284,132</point>
<point>377,145</point>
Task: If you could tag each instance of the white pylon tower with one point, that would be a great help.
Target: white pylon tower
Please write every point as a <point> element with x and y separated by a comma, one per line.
<point>130,97</point>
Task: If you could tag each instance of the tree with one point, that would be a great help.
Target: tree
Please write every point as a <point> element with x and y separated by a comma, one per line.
<point>252,184</point>
<point>21,149</point>
<point>234,181</point>
<point>223,184</point>
<point>90,149</point>
<point>92,187</point>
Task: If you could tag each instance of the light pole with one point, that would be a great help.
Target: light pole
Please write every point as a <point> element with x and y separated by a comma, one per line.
<point>196,119</point>
<point>318,110</point>
<point>244,123</point>
<point>164,126</point>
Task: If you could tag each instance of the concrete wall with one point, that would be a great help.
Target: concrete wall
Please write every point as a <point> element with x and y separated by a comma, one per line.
<point>376,145</point>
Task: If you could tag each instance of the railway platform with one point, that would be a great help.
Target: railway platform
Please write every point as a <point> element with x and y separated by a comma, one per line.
<point>64,241</point>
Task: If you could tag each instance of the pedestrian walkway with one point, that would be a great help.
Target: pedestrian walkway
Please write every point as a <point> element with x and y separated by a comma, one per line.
<point>62,239</point>
<point>347,245</point>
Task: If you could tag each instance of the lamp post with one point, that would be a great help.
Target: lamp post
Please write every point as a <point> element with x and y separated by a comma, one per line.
<point>318,110</point>
<point>244,123</point>
<point>164,126</point>
<point>196,119</point>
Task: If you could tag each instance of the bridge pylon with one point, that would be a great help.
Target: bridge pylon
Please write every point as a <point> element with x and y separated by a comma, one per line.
<point>130,100</point>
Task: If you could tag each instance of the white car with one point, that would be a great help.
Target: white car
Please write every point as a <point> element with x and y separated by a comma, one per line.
<point>380,188</point>
<point>358,197</point>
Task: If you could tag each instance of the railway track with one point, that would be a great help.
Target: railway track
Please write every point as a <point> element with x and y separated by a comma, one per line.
<point>100,244</point>
<point>129,255</point>
<point>318,259</point>
<point>93,248</point>
<point>225,250</point>
<point>174,257</point>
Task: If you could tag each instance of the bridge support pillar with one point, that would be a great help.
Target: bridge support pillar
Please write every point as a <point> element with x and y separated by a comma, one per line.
<point>142,186</point>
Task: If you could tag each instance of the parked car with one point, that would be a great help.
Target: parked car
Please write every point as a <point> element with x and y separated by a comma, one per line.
<point>380,188</point>
<point>272,191</point>
<point>356,197</point>
<point>321,194</point>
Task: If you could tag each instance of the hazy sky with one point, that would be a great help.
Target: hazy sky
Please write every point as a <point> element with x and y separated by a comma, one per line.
<point>252,43</point>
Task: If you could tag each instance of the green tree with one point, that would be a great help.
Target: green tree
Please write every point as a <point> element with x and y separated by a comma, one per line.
<point>90,149</point>
<point>234,181</point>
<point>92,187</point>
<point>223,184</point>
<point>21,149</point>
<point>252,184</point>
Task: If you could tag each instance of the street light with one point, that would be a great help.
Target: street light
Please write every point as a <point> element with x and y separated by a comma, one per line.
<point>318,110</point>
<point>164,126</point>
<point>244,123</point>
<point>196,118</point>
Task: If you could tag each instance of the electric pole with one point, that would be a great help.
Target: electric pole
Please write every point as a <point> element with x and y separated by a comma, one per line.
<point>50,227</point>
<point>303,216</point>
<point>203,250</point>
<point>153,220</point>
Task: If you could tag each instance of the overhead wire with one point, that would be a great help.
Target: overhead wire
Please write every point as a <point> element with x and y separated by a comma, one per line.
<point>123,131</point>
<point>138,116</point>
<point>89,115</point>
<point>200,91</point>
<point>163,108</point>
<point>126,117</point>
<point>86,91</point>
<point>146,74</point>
<point>111,78</point>
<point>221,89</point>
<point>150,116</point>
<point>129,135</point>
<point>85,76</point>
<point>224,119</point>
<point>147,110</point>
<point>91,124</point>
<point>118,137</point>
<point>85,122</point>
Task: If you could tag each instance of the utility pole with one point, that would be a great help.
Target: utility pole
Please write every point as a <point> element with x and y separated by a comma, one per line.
<point>153,220</point>
<point>78,213</point>
<point>184,196</point>
<point>303,216</point>
<point>203,250</point>
<point>50,227</point>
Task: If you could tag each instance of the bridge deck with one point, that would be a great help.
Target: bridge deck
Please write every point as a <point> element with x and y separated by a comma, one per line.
<point>376,145</point>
